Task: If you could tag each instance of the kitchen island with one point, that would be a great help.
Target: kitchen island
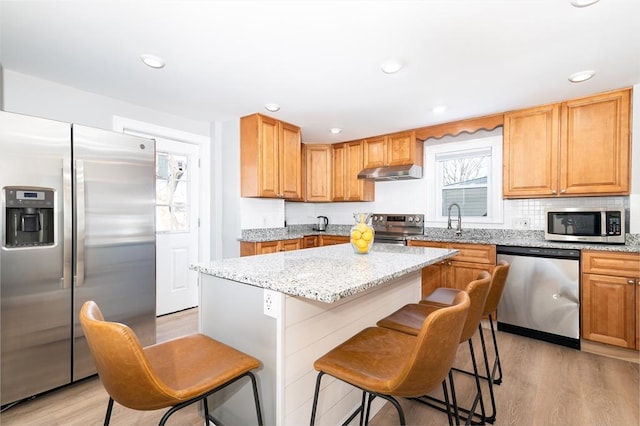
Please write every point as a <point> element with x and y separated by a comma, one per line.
<point>289,308</point>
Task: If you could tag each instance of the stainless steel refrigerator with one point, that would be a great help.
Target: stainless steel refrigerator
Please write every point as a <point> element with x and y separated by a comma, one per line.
<point>77,223</point>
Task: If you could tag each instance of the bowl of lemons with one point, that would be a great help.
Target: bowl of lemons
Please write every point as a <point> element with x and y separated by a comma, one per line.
<point>362,233</point>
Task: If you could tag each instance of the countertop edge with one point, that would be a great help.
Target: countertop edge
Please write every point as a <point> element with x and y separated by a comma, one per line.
<point>524,238</point>
<point>293,288</point>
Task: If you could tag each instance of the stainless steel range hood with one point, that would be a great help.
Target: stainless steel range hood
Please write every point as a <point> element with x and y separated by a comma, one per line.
<point>392,173</point>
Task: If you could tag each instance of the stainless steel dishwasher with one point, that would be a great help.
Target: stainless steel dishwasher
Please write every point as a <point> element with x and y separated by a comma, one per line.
<point>541,298</point>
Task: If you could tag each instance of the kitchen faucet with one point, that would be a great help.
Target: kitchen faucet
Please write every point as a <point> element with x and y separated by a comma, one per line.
<point>459,227</point>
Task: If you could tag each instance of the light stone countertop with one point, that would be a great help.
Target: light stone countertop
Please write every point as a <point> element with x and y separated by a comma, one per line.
<point>506,237</point>
<point>326,274</point>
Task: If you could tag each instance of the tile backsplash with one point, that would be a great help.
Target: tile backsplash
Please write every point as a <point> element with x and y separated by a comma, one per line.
<point>518,214</point>
<point>532,210</point>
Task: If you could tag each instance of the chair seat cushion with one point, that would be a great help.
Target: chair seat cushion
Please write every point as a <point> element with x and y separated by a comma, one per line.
<point>370,359</point>
<point>441,297</point>
<point>408,319</point>
<point>195,364</point>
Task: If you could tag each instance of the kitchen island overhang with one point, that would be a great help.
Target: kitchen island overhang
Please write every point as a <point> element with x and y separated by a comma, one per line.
<point>326,274</point>
<point>289,308</point>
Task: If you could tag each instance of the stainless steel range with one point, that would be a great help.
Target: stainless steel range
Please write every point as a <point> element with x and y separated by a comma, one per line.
<point>395,228</point>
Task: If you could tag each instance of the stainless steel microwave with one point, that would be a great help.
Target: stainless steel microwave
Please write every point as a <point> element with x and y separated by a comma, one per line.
<point>583,224</point>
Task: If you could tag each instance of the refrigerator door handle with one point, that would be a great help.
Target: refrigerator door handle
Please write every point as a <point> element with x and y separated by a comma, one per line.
<point>67,223</point>
<point>80,223</point>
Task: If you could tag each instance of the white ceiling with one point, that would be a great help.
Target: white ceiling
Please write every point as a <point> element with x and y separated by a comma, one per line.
<point>320,60</point>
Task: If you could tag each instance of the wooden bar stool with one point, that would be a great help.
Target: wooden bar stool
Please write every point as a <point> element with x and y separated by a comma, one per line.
<point>409,319</point>
<point>172,374</point>
<point>386,363</point>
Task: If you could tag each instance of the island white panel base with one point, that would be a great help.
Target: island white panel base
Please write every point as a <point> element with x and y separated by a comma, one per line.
<point>296,332</point>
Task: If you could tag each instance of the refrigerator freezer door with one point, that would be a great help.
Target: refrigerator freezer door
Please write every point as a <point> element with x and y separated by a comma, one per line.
<point>115,229</point>
<point>35,293</point>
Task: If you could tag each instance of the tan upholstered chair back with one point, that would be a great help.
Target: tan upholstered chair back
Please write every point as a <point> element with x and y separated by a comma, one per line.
<point>478,290</point>
<point>121,363</point>
<point>435,350</point>
<point>498,281</point>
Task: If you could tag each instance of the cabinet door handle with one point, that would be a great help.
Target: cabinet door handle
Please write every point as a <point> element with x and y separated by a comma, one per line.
<point>563,190</point>
<point>632,282</point>
<point>553,191</point>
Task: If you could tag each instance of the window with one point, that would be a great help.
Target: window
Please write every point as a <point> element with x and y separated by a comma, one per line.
<point>468,174</point>
<point>172,180</point>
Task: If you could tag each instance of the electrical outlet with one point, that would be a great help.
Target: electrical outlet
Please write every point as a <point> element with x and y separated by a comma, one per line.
<point>521,222</point>
<point>271,303</point>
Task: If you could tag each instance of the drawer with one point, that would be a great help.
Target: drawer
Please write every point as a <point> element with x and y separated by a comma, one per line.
<point>474,253</point>
<point>611,263</point>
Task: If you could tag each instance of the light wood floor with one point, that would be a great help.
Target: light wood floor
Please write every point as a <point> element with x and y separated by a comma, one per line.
<point>543,385</point>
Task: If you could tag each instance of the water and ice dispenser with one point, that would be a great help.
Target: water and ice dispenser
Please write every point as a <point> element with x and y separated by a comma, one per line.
<point>29,217</point>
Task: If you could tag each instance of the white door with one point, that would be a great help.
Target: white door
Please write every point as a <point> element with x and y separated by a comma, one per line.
<point>177,224</point>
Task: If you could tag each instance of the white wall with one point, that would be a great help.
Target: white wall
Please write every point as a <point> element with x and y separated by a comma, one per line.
<point>29,95</point>
<point>229,164</point>
<point>1,88</point>
<point>25,94</point>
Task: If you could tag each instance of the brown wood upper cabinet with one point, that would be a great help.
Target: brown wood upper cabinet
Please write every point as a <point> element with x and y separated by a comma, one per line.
<point>270,155</point>
<point>393,150</point>
<point>347,162</point>
<point>611,298</point>
<point>574,148</point>
<point>317,176</point>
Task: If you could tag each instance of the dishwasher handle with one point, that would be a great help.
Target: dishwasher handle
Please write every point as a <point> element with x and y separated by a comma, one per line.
<point>552,253</point>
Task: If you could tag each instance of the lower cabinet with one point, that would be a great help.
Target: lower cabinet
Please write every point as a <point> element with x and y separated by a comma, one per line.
<point>329,240</point>
<point>309,241</point>
<point>611,298</point>
<point>459,270</point>
<point>264,247</point>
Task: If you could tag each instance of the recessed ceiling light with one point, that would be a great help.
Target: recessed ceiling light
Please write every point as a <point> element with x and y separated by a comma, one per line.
<point>335,130</point>
<point>583,3</point>
<point>581,76</point>
<point>272,107</point>
<point>153,61</point>
<point>439,109</point>
<point>391,67</point>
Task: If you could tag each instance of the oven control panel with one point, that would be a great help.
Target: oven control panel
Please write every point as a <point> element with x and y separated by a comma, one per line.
<point>398,224</point>
<point>398,219</point>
